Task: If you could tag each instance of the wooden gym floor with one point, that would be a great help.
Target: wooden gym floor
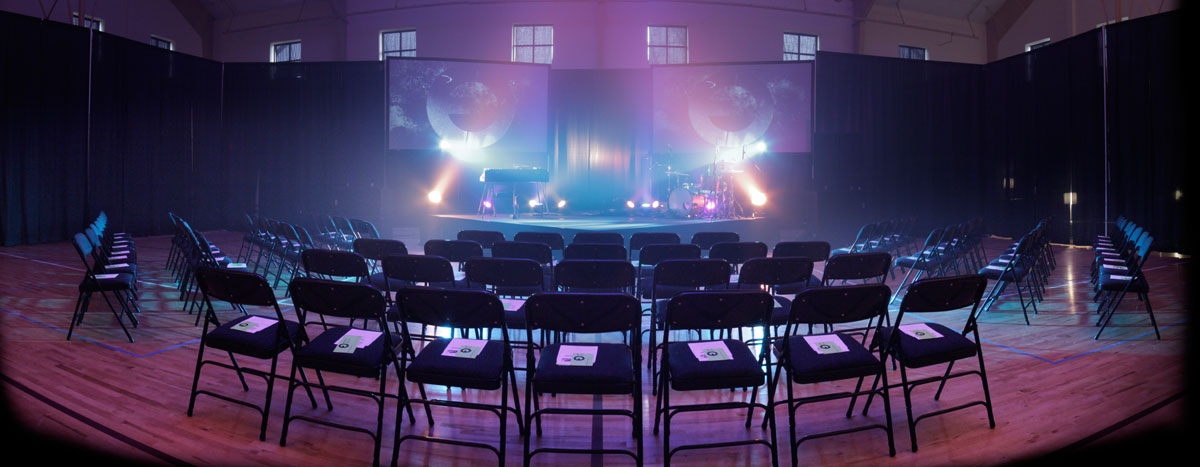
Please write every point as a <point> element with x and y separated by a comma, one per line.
<point>1053,386</point>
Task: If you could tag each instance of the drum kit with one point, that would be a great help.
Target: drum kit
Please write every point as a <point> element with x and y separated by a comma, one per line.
<point>709,197</point>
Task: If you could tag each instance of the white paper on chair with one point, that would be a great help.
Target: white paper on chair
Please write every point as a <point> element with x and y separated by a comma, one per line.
<point>1113,266</point>
<point>712,351</point>
<point>119,253</point>
<point>106,276</point>
<point>1120,278</point>
<point>512,304</point>
<point>117,266</point>
<point>826,344</point>
<point>464,348</point>
<point>236,266</point>
<point>920,331</point>
<point>254,324</point>
<point>118,258</point>
<point>577,355</point>
<point>365,337</point>
<point>219,258</point>
<point>996,267</point>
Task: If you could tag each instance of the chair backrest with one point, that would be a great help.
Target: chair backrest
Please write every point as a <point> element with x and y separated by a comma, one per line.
<point>343,225</point>
<point>657,252</point>
<point>706,240</point>
<point>364,229</point>
<point>455,308</point>
<point>504,272</point>
<point>84,248</point>
<point>306,240</point>
<point>612,238</point>
<point>484,238</point>
<point>594,274</point>
<point>334,263</point>
<point>377,249</point>
<point>864,233</point>
<point>776,270</point>
<point>738,252</point>
<point>337,298</point>
<point>233,286</point>
<point>816,251</point>
<point>718,309</point>
<point>552,239</point>
<point>415,268</point>
<point>457,251</point>
<point>536,251</point>
<point>594,251</point>
<point>583,312</point>
<point>692,272</point>
<point>928,250</point>
<point>641,239</point>
<point>857,266</point>
<point>943,294</point>
<point>836,305</point>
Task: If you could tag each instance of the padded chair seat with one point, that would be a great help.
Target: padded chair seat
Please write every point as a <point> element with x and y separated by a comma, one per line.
<point>1000,272</point>
<point>916,353</point>
<point>262,344</point>
<point>664,291</point>
<point>911,261</point>
<point>128,268</point>
<point>123,281</point>
<point>690,374</point>
<point>365,362</point>
<point>807,366</point>
<point>376,280</point>
<point>485,371</point>
<point>612,372</point>
<point>1118,282</point>
<point>782,311</point>
<point>797,287</point>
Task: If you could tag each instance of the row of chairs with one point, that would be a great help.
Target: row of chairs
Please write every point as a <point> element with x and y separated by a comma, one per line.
<point>190,250</point>
<point>1117,271</point>
<point>111,271</point>
<point>894,237</point>
<point>1026,265</point>
<point>438,361</point>
<point>944,251</point>
<point>338,233</point>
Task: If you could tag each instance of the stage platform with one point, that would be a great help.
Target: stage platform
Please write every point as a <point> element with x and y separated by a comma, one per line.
<point>751,229</point>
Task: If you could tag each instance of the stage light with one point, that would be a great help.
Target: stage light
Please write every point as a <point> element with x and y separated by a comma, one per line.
<point>758,198</point>
<point>435,197</point>
<point>761,146</point>
<point>533,203</point>
<point>645,205</point>
<point>487,204</point>
<point>710,206</point>
<point>562,203</point>
<point>629,204</point>
<point>654,205</point>
<point>444,144</point>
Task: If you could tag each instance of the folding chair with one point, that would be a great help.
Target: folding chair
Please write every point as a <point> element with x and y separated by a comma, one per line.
<point>457,251</point>
<point>595,275</point>
<point>468,364</point>
<point>553,240</point>
<point>1116,280</point>
<point>374,251</point>
<point>120,284</point>
<point>595,251</point>
<point>816,252</point>
<point>485,238</point>
<point>584,368</point>
<point>832,357</point>
<point>344,350</point>
<point>705,240</point>
<point>640,239</point>
<point>856,266</point>
<point>675,276</point>
<point>610,238</point>
<point>925,344</point>
<point>727,363</point>
<point>248,335</point>
<point>651,255</point>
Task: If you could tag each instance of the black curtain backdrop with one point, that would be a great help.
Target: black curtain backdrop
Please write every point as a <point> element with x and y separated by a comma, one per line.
<point>895,138</point>
<point>304,139</point>
<point>1043,138</point>
<point>155,137</point>
<point>1147,120</point>
<point>43,130</point>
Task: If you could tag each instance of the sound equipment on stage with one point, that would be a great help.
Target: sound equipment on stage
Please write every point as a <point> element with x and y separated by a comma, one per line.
<point>493,178</point>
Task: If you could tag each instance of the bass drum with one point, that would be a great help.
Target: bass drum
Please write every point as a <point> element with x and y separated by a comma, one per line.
<point>679,204</point>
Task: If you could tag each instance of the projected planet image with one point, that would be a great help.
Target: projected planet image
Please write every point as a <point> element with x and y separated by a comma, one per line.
<point>730,115</point>
<point>469,111</point>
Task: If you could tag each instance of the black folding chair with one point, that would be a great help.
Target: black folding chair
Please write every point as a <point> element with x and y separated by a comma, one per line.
<point>331,264</point>
<point>737,253</point>
<point>1116,280</point>
<point>119,283</point>
<point>374,250</point>
<point>599,368</point>
<point>675,276</point>
<point>457,251</point>
<point>831,357</point>
<point>610,238</point>
<point>594,275</point>
<point>930,343</point>
<point>248,335</point>
<point>553,240</point>
<point>727,364</point>
<point>639,240</point>
<point>856,266</point>
<point>651,255</point>
<point>344,350</point>
<point>705,240</point>
<point>485,238</point>
<point>490,368</point>
<point>536,251</point>
<point>595,251</point>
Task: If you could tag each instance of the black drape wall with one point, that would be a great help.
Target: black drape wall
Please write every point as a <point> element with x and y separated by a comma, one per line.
<point>1147,102</point>
<point>896,138</point>
<point>43,130</point>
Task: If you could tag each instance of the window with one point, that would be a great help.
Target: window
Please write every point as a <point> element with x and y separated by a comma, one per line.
<point>799,47</point>
<point>88,22</point>
<point>162,43</point>
<point>533,43</point>
<point>1037,44</point>
<point>285,52</point>
<point>915,53</point>
<point>398,44</point>
<point>1112,21</point>
<point>666,44</point>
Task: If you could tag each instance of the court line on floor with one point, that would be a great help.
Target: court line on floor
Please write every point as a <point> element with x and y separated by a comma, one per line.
<point>93,423</point>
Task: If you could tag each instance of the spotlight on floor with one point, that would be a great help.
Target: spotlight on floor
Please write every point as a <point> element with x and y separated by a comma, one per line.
<point>562,203</point>
<point>435,197</point>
